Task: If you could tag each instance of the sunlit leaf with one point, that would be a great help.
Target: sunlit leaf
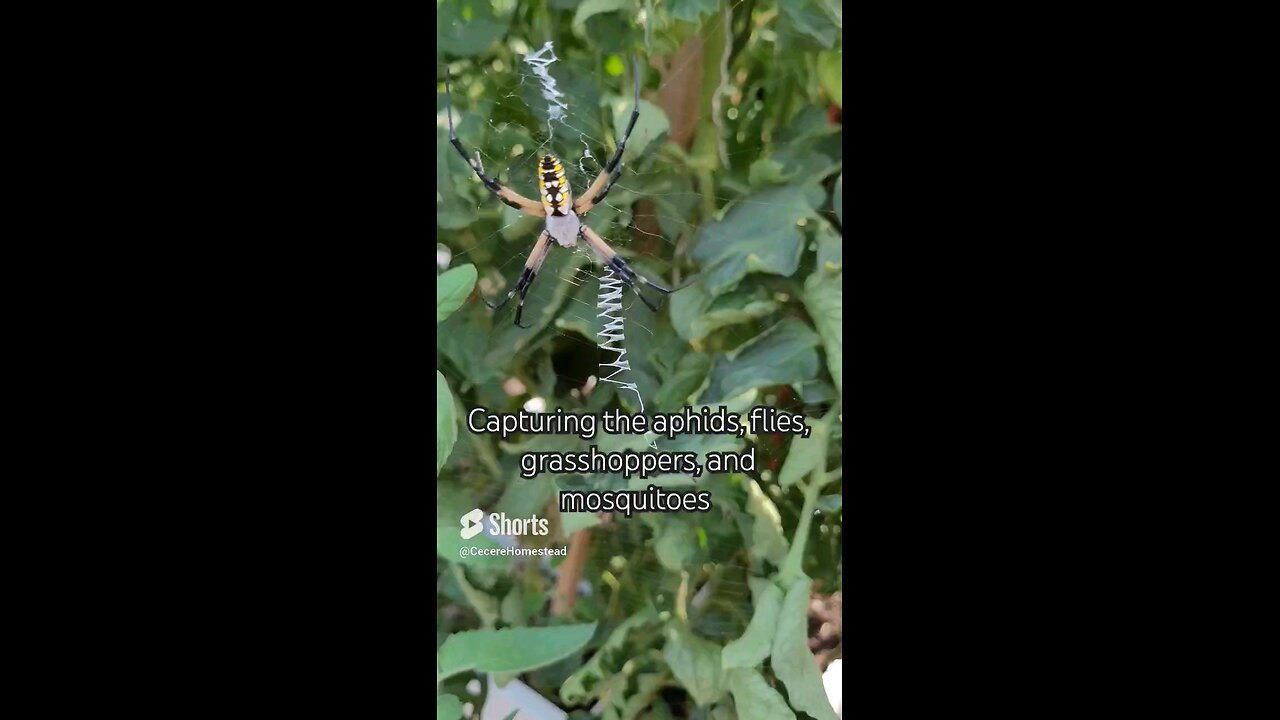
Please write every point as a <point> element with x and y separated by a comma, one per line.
<point>651,125</point>
<point>804,455</point>
<point>759,234</point>
<point>824,299</point>
<point>755,644</point>
<point>829,75</point>
<point>511,650</point>
<point>448,707</point>
<point>753,697</point>
<point>767,540</point>
<point>792,662</point>
<point>696,664</point>
<point>808,18</point>
<point>674,545</point>
<point>782,355</point>
<point>446,422</point>
<point>452,289</point>
<point>765,172</point>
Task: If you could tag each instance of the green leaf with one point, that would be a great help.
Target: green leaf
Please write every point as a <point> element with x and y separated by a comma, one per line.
<point>467,28</point>
<point>782,355</point>
<point>829,75</point>
<point>595,7</point>
<point>512,607</point>
<point>824,299</point>
<point>651,125</point>
<point>696,664</point>
<point>753,647</point>
<point>830,249</point>
<point>695,314</point>
<point>837,198</point>
<point>485,605</point>
<point>767,540</point>
<point>754,698</point>
<point>815,392</point>
<point>759,234</point>
<point>792,662</point>
<point>686,307</point>
<point>691,10</point>
<point>805,454</point>
<point>511,650</point>
<point>732,309</point>
<point>807,18</point>
<point>448,707</point>
<point>674,545</point>
<point>690,375</point>
<point>766,171</point>
<point>607,660</point>
<point>526,498</point>
<point>452,289</point>
<point>446,423</point>
<point>572,522</point>
<point>835,10</point>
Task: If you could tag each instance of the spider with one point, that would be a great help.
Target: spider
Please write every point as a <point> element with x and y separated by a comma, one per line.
<point>564,224</point>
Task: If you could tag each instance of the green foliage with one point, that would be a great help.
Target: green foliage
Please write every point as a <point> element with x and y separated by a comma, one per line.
<point>446,422</point>
<point>731,190</point>
<point>761,234</point>
<point>753,697</point>
<point>792,661</point>
<point>696,664</point>
<point>753,647</point>
<point>830,75</point>
<point>448,707</point>
<point>452,288</point>
<point>511,650</point>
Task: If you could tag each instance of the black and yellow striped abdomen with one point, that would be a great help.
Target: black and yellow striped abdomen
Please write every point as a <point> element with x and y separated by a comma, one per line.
<point>553,188</point>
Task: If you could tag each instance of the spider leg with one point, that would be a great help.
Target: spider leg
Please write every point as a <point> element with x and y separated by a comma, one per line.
<point>640,295</point>
<point>617,175</point>
<point>620,266</point>
<point>531,268</point>
<point>505,194</point>
<point>612,170</point>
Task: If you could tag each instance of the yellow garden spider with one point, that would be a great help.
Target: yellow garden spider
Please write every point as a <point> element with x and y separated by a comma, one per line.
<point>560,209</point>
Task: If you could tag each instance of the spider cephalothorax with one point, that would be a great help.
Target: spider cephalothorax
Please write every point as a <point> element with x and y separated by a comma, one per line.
<point>560,209</point>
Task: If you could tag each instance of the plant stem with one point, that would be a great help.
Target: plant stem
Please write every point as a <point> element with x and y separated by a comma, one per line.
<point>791,567</point>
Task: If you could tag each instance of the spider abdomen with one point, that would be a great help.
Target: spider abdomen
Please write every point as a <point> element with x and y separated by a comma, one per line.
<point>553,187</point>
